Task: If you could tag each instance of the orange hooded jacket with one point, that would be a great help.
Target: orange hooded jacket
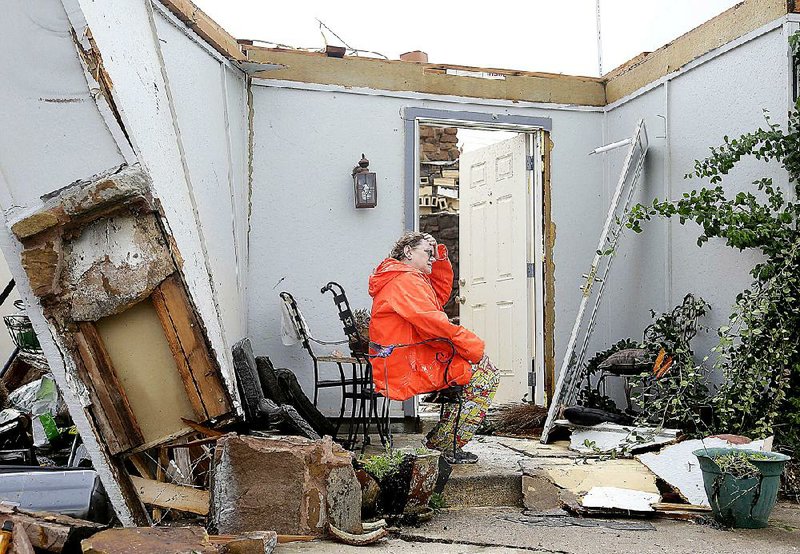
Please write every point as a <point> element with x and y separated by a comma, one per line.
<point>407,308</point>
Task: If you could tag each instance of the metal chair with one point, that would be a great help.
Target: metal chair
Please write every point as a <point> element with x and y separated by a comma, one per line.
<point>343,382</point>
<point>363,392</point>
<point>447,395</point>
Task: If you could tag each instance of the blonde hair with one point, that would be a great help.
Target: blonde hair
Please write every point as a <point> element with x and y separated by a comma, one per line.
<point>412,239</point>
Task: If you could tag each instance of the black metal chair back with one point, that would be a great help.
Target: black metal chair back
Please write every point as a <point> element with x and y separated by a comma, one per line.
<point>358,343</point>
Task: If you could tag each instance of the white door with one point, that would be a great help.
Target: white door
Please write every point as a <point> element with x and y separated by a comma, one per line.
<point>493,259</point>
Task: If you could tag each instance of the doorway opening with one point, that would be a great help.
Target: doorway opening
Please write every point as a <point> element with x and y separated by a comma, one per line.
<point>478,188</point>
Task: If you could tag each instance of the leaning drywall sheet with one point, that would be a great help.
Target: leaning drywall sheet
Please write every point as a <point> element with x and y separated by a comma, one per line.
<point>52,133</point>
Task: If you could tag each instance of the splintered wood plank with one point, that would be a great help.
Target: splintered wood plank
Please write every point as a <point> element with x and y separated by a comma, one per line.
<point>141,465</point>
<point>192,342</point>
<point>122,432</point>
<point>175,497</point>
<point>192,391</point>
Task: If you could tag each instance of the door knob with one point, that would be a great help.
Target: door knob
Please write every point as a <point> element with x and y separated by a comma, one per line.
<point>462,299</point>
<point>462,282</point>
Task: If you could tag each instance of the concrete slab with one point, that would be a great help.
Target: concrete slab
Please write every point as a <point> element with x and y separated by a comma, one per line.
<point>504,530</point>
<point>496,480</point>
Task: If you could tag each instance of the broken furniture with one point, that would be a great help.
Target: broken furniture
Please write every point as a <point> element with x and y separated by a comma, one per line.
<point>273,399</point>
<point>350,387</point>
<point>364,397</point>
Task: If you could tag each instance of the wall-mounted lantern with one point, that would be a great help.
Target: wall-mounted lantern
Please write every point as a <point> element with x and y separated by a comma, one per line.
<point>365,185</point>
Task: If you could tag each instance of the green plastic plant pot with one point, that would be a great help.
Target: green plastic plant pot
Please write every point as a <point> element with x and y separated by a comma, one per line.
<point>741,503</point>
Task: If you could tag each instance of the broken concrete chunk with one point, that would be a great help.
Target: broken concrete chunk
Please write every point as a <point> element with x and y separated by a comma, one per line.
<point>290,484</point>
<point>540,494</point>
<point>680,469</point>
<point>150,540</point>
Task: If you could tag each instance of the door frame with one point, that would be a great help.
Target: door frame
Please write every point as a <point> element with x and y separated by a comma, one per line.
<point>536,130</point>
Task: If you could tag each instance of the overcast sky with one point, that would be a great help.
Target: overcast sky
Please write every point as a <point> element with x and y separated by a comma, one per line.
<point>533,35</point>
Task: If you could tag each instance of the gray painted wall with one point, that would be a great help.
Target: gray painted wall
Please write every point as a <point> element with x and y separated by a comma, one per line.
<point>724,96</point>
<point>305,230</point>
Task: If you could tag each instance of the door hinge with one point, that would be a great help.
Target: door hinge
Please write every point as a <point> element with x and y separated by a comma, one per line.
<point>531,270</point>
<point>530,163</point>
<point>532,376</point>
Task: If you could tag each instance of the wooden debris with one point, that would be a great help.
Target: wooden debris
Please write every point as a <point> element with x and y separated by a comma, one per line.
<point>150,540</point>
<point>254,542</point>
<point>175,497</point>
<point>47,531</point>
<point>202,429</point>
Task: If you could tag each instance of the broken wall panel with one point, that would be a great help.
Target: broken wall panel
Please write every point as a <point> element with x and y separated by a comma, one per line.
<point>44,88</point>
<point>144,99</point>
<point>102,266</point>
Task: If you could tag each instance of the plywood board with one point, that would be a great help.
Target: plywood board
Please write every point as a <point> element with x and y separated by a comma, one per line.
<point>147,372</point>
<point>581,478</point>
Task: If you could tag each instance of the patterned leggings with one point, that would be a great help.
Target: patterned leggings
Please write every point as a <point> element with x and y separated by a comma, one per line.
<point>477,396</point>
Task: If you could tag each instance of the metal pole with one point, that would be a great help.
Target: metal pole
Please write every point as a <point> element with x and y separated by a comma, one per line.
<point>599,41</point>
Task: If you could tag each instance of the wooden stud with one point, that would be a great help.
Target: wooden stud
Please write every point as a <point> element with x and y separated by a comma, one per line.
<point>123,432</point>
<point>174,497</point>
<point>176,312</point>
<point>192,392</point>
<point>141,466</point>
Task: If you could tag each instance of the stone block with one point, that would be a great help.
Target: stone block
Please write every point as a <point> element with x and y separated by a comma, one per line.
<point>150,540</point>
<point>425,131</point>
<point>116,189</point>
<point>450,130</point>
<point>38,222</point>
<point>292,485</point>
<point>42,264</point>
<point>449,139</point>
<point>428,147</point>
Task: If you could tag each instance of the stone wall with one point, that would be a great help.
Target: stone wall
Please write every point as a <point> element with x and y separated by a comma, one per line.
<point>444,226</point>
<point>438,144</point>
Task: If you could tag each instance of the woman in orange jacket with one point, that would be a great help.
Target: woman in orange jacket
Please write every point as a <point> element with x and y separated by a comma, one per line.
<point>409,290</point>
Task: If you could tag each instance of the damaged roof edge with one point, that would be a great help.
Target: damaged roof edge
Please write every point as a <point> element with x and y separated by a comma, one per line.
<point>312,67</point>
